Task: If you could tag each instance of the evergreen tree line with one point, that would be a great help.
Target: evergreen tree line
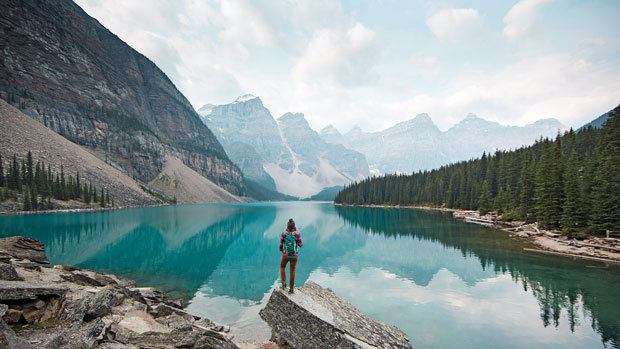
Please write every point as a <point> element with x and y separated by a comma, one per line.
<point>37,184</point>
<point>571,183</point>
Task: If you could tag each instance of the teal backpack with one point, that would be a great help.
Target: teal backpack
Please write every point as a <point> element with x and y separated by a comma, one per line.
<point>290,245</point>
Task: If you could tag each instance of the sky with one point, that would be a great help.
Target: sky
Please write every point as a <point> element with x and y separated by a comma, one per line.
<point>374,63</point>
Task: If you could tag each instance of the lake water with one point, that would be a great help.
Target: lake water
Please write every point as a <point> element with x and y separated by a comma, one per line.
<point>444,282</point>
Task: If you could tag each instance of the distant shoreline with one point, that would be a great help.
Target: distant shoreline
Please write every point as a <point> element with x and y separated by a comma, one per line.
<point>430,208</point>
<point>76,210</point>
<point>559,246</point>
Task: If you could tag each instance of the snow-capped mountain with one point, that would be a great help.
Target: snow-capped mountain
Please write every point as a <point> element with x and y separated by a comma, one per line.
<point>417,144</point>
<point>287,155</point>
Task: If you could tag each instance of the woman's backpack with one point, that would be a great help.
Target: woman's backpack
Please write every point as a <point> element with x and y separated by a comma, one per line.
<point>290,245</point>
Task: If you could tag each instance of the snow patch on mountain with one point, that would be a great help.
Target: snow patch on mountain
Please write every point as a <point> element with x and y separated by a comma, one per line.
<point>245,98</point>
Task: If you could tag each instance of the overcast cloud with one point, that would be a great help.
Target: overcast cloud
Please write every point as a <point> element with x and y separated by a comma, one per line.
<point>376,63</point>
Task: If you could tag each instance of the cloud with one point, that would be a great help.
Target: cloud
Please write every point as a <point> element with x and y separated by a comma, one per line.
<point>310,15</point>
<point>452,24</point>
<point>343,56</point>
<point>521,19</point>
<point>562,86</point>
<point>244,23</point>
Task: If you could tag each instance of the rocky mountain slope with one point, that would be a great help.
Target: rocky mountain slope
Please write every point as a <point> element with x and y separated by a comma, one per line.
<point>286,155</point>
<point>64,69</point>
<point>187,186</point>
<point>596,123</point>
<point>19,134</point>
<point>417,144</point>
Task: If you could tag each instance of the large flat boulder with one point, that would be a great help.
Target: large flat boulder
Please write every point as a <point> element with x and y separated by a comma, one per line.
<point>22,290</point>
<point>22,247</point>
<point>315,317</point>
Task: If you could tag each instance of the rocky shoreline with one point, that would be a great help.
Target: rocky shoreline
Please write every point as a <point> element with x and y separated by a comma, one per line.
<point>67,307</point>
<point>78,210</point>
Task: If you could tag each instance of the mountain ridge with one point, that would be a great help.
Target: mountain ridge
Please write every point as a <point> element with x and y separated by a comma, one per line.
<point>418,144</point>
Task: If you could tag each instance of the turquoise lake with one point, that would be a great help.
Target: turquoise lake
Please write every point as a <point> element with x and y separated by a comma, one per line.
<point>446,283</point>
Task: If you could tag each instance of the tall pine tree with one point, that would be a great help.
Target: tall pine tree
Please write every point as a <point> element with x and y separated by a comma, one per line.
<point>572,210</point>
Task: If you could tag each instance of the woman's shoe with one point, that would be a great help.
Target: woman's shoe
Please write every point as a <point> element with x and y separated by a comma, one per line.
<point>291,291</point>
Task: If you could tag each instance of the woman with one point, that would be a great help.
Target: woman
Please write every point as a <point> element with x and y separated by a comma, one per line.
<point>289,241</point>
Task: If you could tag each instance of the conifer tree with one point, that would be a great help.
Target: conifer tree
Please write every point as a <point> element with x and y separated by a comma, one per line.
<point>27,205</point>
<point>50,179</point>
<point>29,169</point>
<point>102,199</point>
<point>23,178</point>
<point>484,202</point>
<point>78,187</point>
<point>527,190</point>
<point>86,194</point>
<point>572,218</point>
<point>107,197</point>
<point>63,184</point>
<point>548,189</point>
<point>95,198</point>
<point>34,202</point>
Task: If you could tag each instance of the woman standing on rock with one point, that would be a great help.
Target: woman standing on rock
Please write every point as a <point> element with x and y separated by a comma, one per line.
<point>289,241</point>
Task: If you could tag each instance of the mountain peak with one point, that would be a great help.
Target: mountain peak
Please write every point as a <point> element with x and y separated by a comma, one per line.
<point>245,98</point>
<point>290,117</point>
<point>549,123</point>
<point>329,130</point>
<point>472,116</point>
<point>205,110</point>
<point>419,122</point>
<point>423,117</point>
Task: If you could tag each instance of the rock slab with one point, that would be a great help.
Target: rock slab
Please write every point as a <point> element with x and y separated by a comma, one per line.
<point>315,317</point>
<point>24,248</point>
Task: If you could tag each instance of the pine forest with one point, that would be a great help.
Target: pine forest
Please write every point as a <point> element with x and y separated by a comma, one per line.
<point>35,185</point>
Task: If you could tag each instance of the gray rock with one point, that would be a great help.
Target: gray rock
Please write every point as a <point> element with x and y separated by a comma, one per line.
<point>104,300</point>
<point>4,258</point>
<point>69,268</point>
<point>104,280</point>
<point>162,310</point>
<point>24,248</point>
<point>21,290</point>
<point>149,292</point>
<point>83,279</point>
<point>314,317</point>
<point>175,303</point>
<point>82,337</point>
<point>27,265</point>
<point>8,273</point>
<point>76,311</point>
<point>176,322</point>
